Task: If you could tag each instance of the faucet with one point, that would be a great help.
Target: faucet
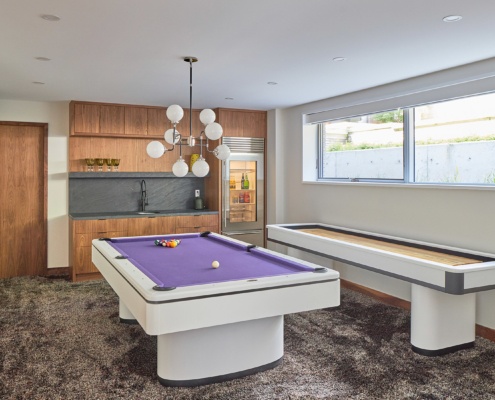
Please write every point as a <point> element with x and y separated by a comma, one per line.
<point>144,196</point>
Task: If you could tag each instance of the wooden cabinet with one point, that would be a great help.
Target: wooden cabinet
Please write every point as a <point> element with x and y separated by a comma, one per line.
<point>242,123</point>
<point>97,119</point>
<point>157,121</point>
<point>82,233</point>
<point>196,223</point>
<point>101,119</point>
<point>150,226</point>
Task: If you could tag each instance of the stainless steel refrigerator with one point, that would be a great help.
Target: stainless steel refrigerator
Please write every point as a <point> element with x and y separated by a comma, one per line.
<point>243,190</point>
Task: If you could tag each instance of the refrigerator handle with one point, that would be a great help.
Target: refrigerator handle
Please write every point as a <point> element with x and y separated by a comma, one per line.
<point>226,193</point>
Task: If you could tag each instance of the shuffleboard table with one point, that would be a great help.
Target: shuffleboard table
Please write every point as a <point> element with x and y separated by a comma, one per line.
<point>444,279</point>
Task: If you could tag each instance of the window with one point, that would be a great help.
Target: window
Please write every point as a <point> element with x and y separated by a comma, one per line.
<point>450,142</point>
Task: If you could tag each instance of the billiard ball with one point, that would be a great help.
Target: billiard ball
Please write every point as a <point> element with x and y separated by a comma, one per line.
<point>215,264</point>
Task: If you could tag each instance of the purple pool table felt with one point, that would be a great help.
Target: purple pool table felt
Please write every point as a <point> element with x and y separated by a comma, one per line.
<point>190,263</point>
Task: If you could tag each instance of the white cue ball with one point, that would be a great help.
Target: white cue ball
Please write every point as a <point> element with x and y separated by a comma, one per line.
<point>215,264</point>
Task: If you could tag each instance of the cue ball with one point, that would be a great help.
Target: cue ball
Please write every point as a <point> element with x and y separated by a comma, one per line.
<point>215,264</point>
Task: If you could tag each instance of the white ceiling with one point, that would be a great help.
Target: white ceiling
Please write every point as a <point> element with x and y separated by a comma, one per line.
<point>131,51</point>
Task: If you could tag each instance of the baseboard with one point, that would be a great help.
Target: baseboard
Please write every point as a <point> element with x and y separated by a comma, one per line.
<point>62,272</point>
<point>482,331</point>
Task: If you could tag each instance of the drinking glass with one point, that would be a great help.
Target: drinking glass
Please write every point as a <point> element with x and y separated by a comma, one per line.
<point>115,163</point>
<point>99,162</point>
<point>108,161</point>
<point>90,162</point>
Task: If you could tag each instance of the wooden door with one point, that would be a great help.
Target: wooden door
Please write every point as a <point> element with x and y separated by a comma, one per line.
<point>23,199</point>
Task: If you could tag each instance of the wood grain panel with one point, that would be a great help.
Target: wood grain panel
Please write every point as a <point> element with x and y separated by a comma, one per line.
<point>82,263</point>
<point>254,124</point>
<point>23,218</point>
<point>198,229</point>
<point>157,122</point>
<point>151,226</point>
<point>103,147</point>
<point>86,118</point>
<point>136,121</point>
<point>126,150</point>
<point>232,122</point>
<point>79,149</point>
<point>112,120</point>
<point>109,225</point>
<point>83,226</point>
<point>424,254</point>
<point>195,220</point>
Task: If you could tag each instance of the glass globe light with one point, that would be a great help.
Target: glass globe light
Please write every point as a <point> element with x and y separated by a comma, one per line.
<point>207,116</point>
<point>155,149</point>
<point>180,168</point>
<point>175,113</point>
<point>200,168</point>
<point>222,152</point>
<point>169,136</point>
<point>214,131</point>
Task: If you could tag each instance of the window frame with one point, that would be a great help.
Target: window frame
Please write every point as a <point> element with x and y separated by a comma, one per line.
<point>409,151</point>
<point>407,157</point>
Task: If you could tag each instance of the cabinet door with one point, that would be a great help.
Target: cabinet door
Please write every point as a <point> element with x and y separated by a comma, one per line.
<point>157,122</point>
<point>112,120</point>
<point>197,223</point>
<point>136,121</point>
<point>254,124</point>
<point>198,229</point>
<point>86,118</point>
<point>232,122</point>
<point>82,262</point>
<point>151,226</point>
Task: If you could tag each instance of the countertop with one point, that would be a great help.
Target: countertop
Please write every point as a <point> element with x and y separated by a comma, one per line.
<point>138,214</point>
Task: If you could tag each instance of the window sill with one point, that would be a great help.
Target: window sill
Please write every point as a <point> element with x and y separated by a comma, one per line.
<point>404,185</point>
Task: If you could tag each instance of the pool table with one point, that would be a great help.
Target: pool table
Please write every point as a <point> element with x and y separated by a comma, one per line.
<point>212,324</point>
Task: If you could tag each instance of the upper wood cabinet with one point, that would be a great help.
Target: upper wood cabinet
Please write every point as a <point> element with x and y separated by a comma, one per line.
<point>90,118</point>
<point>242,123</point>
<point>98,119</point>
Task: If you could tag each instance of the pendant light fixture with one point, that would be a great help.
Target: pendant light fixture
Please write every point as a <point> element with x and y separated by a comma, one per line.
<point>212,131</point>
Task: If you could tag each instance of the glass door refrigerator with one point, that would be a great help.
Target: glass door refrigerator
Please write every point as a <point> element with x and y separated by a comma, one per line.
<point>242,190</point>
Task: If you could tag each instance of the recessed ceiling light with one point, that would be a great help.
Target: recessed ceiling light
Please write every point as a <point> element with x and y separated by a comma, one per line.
<point>272,83</point>
<point>50,17</point>
<point>452,18</point>
<point>38,83</point>
<point>42,58</point>
<point>337,59</point>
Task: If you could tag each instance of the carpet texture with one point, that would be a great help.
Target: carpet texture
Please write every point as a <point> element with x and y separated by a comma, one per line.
<point>60,340</point>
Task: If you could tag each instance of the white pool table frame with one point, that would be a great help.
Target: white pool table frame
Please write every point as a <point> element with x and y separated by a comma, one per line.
<point>442,296</point>
<point>214,332</point>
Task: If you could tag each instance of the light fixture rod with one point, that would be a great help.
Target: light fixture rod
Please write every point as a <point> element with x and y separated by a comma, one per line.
<point>190,60</point>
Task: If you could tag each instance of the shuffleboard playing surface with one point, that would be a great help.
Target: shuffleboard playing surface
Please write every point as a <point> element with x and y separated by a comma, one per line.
<point>404,249</point>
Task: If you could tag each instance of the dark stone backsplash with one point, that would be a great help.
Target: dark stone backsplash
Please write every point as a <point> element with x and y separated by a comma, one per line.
<point>124,193</point>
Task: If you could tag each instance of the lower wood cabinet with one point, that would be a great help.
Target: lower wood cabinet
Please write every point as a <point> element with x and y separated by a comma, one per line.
<point>82,232</point>
<point>197,223</point>
<point>150,226</point>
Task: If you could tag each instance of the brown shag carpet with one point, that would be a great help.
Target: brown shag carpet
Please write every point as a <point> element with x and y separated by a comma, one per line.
<point>60,340</point>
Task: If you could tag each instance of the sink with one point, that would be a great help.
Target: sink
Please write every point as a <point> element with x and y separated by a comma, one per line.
<point>148,212</point>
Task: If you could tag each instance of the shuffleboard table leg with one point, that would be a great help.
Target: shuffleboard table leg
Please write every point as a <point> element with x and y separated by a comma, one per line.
<point>441,323</point>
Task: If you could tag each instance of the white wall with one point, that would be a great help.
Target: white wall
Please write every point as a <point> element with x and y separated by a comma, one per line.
<point>56,114</point>
<point>457,217</point>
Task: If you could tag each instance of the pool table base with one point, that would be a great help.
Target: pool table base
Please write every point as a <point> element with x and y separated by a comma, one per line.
<point>220,353</point>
